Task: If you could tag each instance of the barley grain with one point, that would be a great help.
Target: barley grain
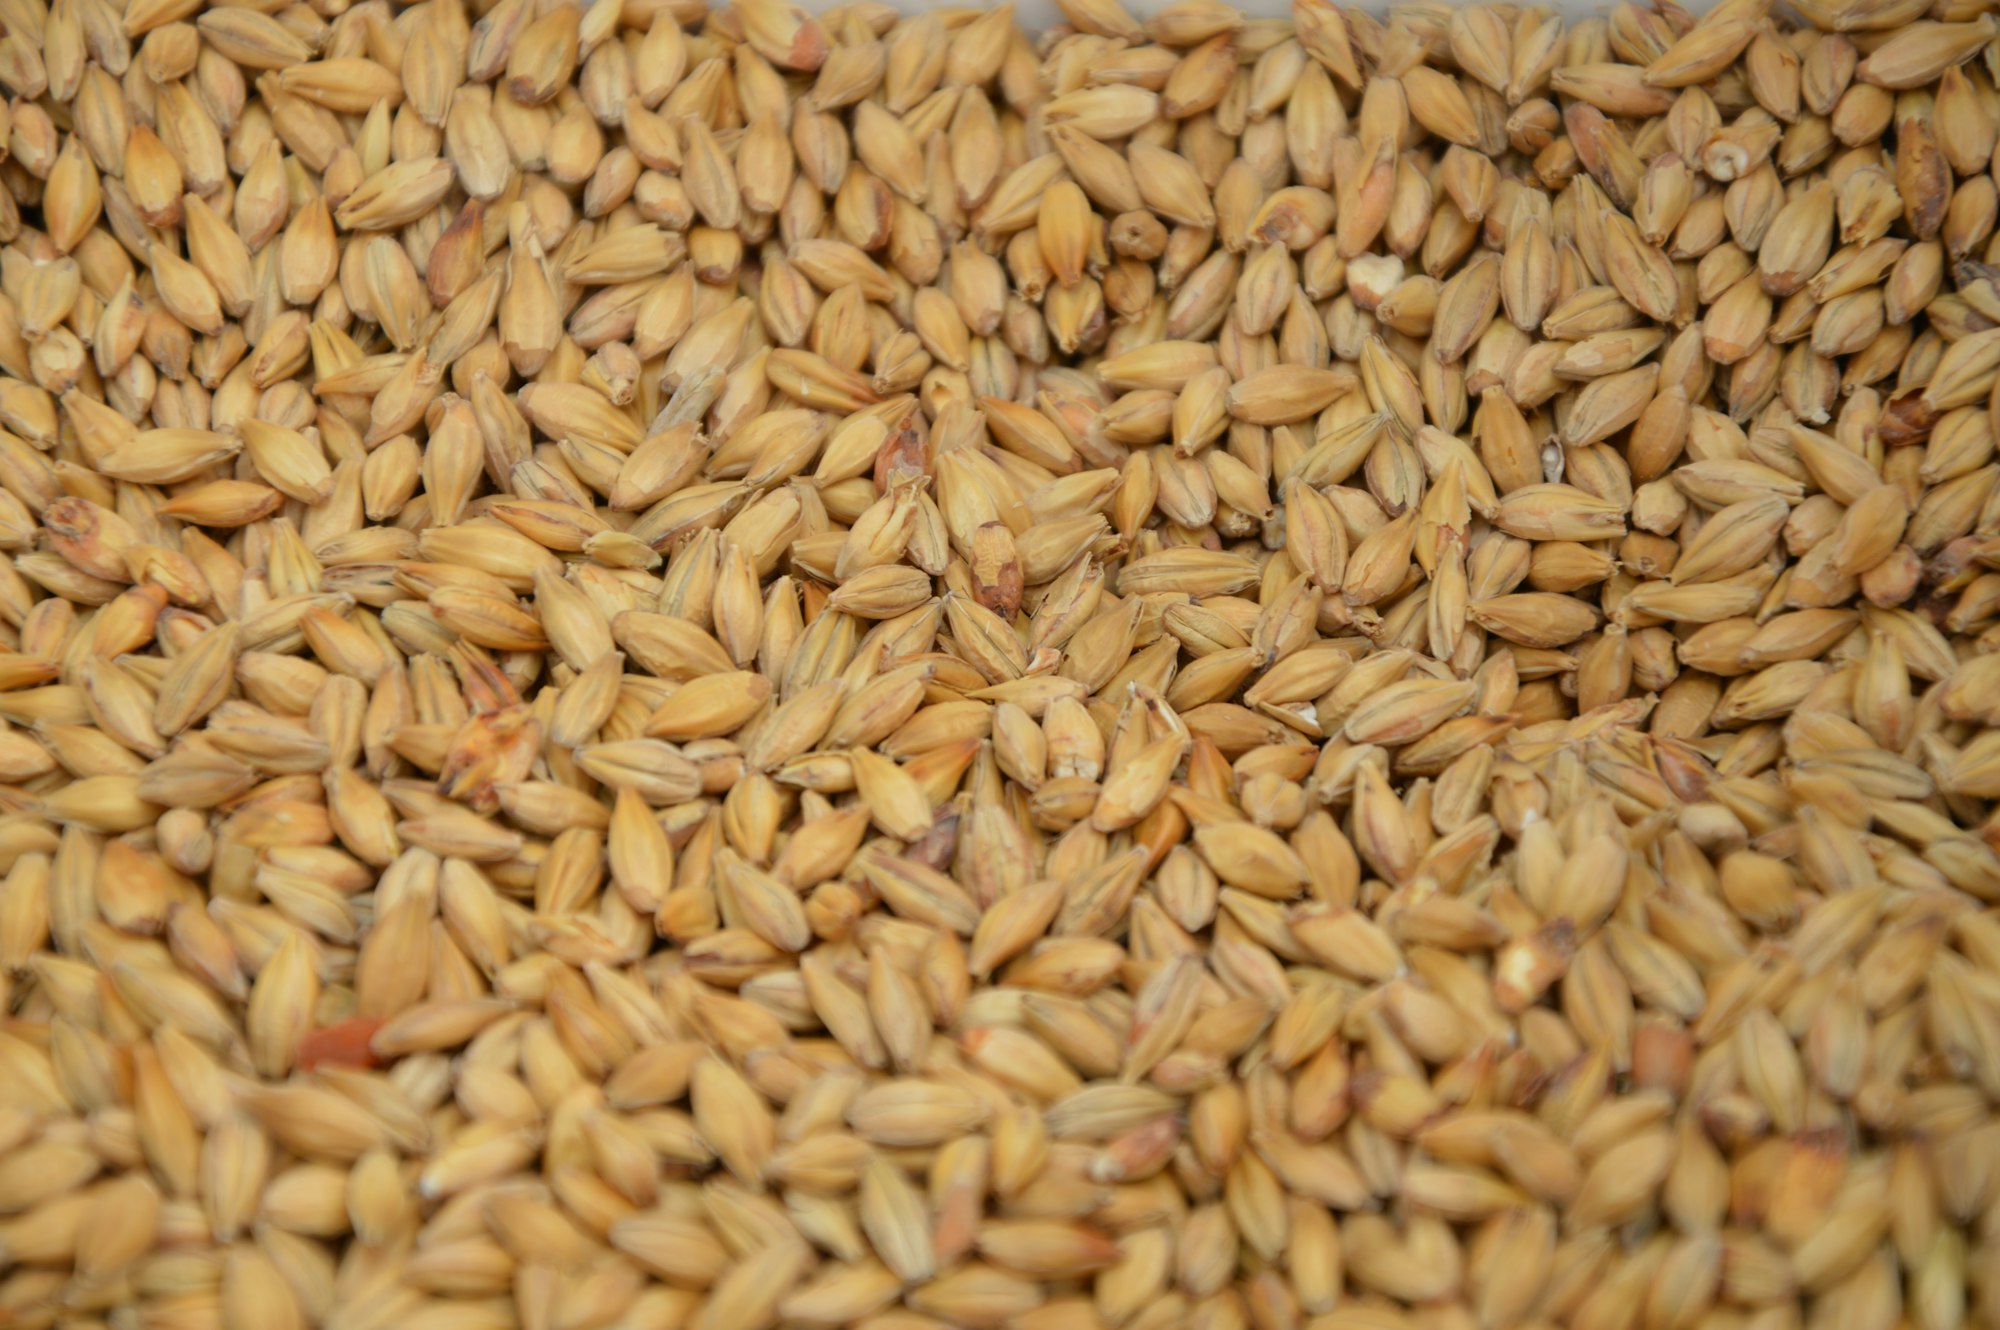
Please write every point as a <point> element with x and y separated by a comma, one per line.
<point>1190,670</point>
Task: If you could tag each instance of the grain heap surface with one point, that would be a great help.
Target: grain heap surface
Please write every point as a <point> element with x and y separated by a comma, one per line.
<point>730,670</point>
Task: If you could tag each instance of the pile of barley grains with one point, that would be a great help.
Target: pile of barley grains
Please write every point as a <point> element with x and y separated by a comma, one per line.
<point>667,669</point>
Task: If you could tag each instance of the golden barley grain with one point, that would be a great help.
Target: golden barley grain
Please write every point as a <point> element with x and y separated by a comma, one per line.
<point>754,667</point>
